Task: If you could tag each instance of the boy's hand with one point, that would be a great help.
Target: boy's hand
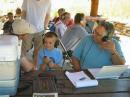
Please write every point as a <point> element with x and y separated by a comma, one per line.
<point>46,60</point>
<point>51,64</point>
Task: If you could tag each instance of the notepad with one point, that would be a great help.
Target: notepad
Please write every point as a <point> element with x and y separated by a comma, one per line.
<point>80,79</point>
<point>111,71</point>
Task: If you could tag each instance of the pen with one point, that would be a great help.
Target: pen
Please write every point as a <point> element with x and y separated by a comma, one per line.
<point>83,78</point>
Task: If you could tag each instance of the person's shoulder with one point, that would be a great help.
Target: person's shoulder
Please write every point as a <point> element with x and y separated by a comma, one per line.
<point>75,26</point>
<point>41,50</point>
<point>57,49</point>
<point>87,38</point>
<point>6,22</point>
<point>58,23</point>
<point>80,29</point>
<point>115,41</point>
<point>72,28</point>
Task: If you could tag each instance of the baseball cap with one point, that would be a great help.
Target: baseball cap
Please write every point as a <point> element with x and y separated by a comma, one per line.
<point>20,26</point>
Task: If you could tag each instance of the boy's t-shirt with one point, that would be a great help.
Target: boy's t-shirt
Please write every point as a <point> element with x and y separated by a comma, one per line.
<point>55,55</point>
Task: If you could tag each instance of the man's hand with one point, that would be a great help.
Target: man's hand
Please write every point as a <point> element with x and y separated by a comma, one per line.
<point>108,45</point>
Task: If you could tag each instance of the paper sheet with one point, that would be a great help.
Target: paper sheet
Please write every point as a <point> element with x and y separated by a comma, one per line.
<point>80,79</point>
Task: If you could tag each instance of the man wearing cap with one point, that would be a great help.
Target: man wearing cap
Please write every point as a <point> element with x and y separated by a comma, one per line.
<point>22,29</point>
<point>36,12</point>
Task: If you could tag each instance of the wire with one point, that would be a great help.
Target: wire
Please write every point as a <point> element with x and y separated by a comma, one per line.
<point>65,50</point>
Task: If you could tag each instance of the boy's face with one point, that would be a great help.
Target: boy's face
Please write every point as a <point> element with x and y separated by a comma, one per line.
<point>49,42</point>
<point>67,19</point>
<point>10,17</point>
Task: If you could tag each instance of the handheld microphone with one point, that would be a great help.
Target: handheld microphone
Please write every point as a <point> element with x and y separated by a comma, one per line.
<point>105,38</point>
<point>109,30</point>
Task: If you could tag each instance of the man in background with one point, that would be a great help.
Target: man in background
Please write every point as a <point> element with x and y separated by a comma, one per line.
<point>75,33</point>
<point>7,28</point>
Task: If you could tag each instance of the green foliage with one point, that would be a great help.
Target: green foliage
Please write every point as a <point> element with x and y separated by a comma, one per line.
<point>115,8</point>
<point>107,8</point>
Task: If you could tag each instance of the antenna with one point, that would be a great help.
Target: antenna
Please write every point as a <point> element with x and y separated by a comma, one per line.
<point>65,50</point>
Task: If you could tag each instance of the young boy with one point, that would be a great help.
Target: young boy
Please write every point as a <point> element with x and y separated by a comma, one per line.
<point>50,57</point>
<point>18,13</point>
<point>22,29</point>
<point>8,25</point>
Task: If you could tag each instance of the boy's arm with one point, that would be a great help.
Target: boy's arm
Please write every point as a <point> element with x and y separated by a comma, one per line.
<point>43,67</point>
<point>35,59</point>
<point>52,65</point>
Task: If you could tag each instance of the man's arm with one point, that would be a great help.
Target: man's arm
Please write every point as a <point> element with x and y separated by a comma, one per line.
<point>23,15</point>
<point>77,54</point>
<point>117,59</point>
<point>24,8</point>
<point>76,63</point>
<point>47,19</point>
<point>114,49</point>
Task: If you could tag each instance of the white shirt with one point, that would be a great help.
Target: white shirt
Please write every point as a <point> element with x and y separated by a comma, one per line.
<point>36,12</point>
<point>60,28</point>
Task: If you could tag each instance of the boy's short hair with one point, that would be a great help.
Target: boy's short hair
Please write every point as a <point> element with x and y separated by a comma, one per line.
<point>51,35</point>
